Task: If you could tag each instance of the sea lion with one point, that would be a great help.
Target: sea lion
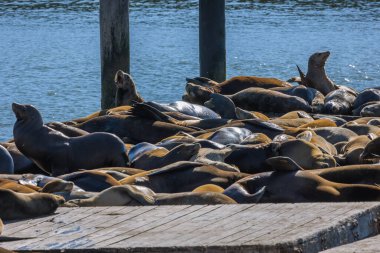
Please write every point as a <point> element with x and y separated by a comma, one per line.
<point>371,110</point>
<point>351,152</point>
<point>316,76</point>
<point>310,95</point>
<point>352,174</point>
<point>339,102</point>
<point>289,183</point>
<point>335,134</point>
<point>259,99</point>
<point>229,135</point>
<point>111,111</point>
<point>1,226</point>
<point>187,108</point>
<point>338,121</point>
<point>129,128</point>
<point>158,158</point>
<point>183,177</point>
<point>20,205</point>
<point>290,122</point>
<point>325,146</point>
<point>362,129</point>
<point>304,153</point>
<point>374,122</point>
<point>209,188</point>
<point>319,123</point>
<point>22,164</point>
<point>91,181</point>
<point>372,150</point>
<point>58,154</point>
<point>139,149</point>
<point>367,95</point>
<point>6,161</point>
<point>250,159</point>
<point>255,139</point>
<point>14,186</point>
<point>238,83</point>
<point>69,131</point>
<point>130,195</point>
<point>126,92</point>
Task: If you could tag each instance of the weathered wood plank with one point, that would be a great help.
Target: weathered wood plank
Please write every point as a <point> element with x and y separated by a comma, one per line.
<point>309,227</point>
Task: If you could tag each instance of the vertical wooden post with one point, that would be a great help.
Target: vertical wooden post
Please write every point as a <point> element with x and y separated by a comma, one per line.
<point>212,39</point>
<point>114,45</point>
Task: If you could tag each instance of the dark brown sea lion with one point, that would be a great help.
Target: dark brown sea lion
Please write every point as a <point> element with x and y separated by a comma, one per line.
<point>129,128</point>
<point>352,174</point>
<point>183,177</point>
<point>6,161</point>
<point>363,129</point>
<point>22,164</point>
<point>91,181</point>
<point>238,83</point>
<point>372,150</point>
<point>371,110</point>
<point>367,95</point>
<point>126,92</point>
<point>289,183</point>
<point>259,99</point>
<point>335,134</point>
<point>20,205</point>
<point>316,76</point>
<point>69,131</point>
<point>58,154</point>
<point>130,195</point>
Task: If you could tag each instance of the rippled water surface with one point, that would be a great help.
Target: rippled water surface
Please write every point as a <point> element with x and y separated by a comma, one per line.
<point>49,50</point>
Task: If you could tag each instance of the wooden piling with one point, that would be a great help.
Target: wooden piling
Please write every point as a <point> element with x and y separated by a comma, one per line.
<point>212,39</point>
<point>114,46</point>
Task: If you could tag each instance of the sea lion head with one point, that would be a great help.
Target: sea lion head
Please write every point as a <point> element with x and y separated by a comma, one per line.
<point>27,113</point>
<point>221,105</point>
<point>126,89</point>
<point>319,59</point>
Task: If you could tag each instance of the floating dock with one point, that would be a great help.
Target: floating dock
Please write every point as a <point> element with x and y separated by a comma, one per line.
<point>310,227</point>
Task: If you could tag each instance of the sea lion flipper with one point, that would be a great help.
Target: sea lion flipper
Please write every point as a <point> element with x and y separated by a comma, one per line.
<point>283,163</point>
<point>146,111</point>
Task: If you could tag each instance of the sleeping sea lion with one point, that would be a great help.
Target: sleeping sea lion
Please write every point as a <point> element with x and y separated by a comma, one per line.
<point>183,177</point>
<point>289,183</point>
<point>158,158</point>
<point>238,83</point>
<point>335,134</point>
<point>20,205</point>
<point>58,154</point>
<point>372,110</point>
<point>130,195</point>
<point>367,95</point>
<point>339,102</point>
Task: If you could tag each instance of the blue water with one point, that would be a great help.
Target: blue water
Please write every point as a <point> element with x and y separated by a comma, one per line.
<point>49,50</point>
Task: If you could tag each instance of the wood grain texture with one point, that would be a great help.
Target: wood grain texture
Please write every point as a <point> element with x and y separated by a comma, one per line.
<point>309,227</point>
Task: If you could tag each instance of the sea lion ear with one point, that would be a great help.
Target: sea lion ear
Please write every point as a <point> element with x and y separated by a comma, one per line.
<point>283,163</point>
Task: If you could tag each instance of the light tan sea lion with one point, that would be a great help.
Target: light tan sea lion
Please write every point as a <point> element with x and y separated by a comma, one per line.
<point>21,205</point>
<point>130,195</point>
<point>58,154</point>
<point>112,111</point>
<point>291,122</point>
<point>1,226</point>
<point>351,152</point>
<point>304,153</point>
<point>372,150</point>
<point>14,186</point>
<point>255,139</point>
<point>316,76</point>
<point>209,188</point>
<point>289,183</point>
<point>319,123</point>
<point>325,146</point>
<point>126,92</point>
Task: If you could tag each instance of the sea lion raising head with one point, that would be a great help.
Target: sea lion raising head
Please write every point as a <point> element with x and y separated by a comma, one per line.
<point>126,93</point>
<point>316,76</point>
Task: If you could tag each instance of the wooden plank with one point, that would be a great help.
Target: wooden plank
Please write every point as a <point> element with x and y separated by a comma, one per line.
<point>369,245</point>
<point>308,227</point>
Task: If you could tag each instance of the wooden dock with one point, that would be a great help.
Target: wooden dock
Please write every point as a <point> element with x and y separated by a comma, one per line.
<point>310,227</point>
<point>369,245</point>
